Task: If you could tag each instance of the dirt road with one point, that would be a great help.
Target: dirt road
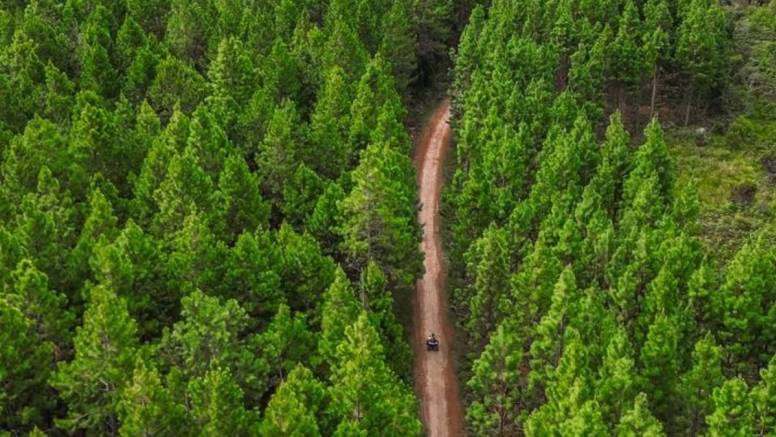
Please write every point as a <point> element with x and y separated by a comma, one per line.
<point>435,379</point>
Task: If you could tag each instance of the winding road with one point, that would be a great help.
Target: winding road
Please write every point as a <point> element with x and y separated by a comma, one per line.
<point>436,383</point>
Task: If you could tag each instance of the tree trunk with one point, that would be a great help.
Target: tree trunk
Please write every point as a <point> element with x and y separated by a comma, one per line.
<point>638,106</point>
<point>561,79</point>
<point>689,106</point>
<point>655,72</point>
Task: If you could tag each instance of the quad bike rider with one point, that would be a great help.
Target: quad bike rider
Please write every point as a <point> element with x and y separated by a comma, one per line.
<point>432,343</point>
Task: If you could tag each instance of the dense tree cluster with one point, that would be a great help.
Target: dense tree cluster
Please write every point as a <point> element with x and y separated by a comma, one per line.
<point>588,305</point>
<point>207,211</point>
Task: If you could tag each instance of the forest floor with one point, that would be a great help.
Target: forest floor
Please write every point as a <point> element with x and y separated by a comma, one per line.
<point>436,383</point>
<point>736,182</point>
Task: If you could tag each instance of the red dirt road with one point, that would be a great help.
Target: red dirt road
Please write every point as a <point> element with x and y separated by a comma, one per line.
<point>436,384</point>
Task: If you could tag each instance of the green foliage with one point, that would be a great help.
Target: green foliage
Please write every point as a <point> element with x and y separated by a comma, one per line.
<point>146,407</point>
<point>732,414</point>
<point>24,396</point>
<point>340,309</point>
<point>379,216</point>
<point>366,391</point>
<point>539,196</point>
<point>639,421</point>
<point>496,383</point>
<point>170,213</point>
<point>92,383</point>
<point>175,83</point>
<point>291,411</point>
<point>216,405</point>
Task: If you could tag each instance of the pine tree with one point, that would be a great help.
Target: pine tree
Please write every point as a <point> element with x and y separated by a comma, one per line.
<point>639,421</point>
<point>568,397</point>
<point>141,72</point>
<point>45,228</point>
<point>155,166</point>
<point>212,333</point>
<point>217,406</point>
<point>398,44</point>
<point>28,288</point>
<point>660,363</point>
<point>655,41</point>
<point>344,49</point>
<point>280,150</point>
<point>41,145</point>
<point>490,294</point>
<point>547,348</point>
<point>626,62</point>
<point>325,219</point>
<point>745,302</point>
<point>330,124</point>
<point>150,14</point>
<point>339,310</point>
<point>763,398</point>
<point>232,81</point>
<point>208,141</point>
<point>175,83</point>
<point>281,73</point>
<point>304,271</point>
<point>379,301</point>
<point>187,32</point>
<point>697,385</point>
<point>301,194</point>
<point>251,275</point>
<point>703,50</point>
<point>186,189</point>
<point>291,411</point>
<point>379,216</point>
<point>130,38</point>
<point>376,93</point>
<point>146,406</point>
<point>733,415</point>
<point>651,158</point>
<point>287,342</point>
<point>134,266</point>
<point>92,383</point>
<point>60,91</point>
<point>496,384</point>
<point>617,378</point>
<point>364,390</point>
<point>238,200</point>
<point>100,226</point>
<point>24,369</point>
<point>96,72</point>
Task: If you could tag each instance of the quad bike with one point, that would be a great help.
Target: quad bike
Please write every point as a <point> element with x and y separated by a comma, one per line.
<point>432,343</point>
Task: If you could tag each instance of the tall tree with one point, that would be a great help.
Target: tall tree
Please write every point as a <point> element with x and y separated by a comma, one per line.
<point>638,421</point>
<point>291,411</point>
<point>763,398</point>
<point>379,216</point>
<point>280,149</point>
<point>93,381</point>
<point>364,390</point>
<point>330,124</point>
<point>733,415</point>
<point>497,384</point>
<point>378,300</point>
<point>146,407</point>
<point>697,385</point>
<point>216,406</point>
<point>340,309</point>
<point>24,369</point>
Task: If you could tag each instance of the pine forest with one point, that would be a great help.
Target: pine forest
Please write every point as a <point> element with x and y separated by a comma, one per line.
<point>212,218</point>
